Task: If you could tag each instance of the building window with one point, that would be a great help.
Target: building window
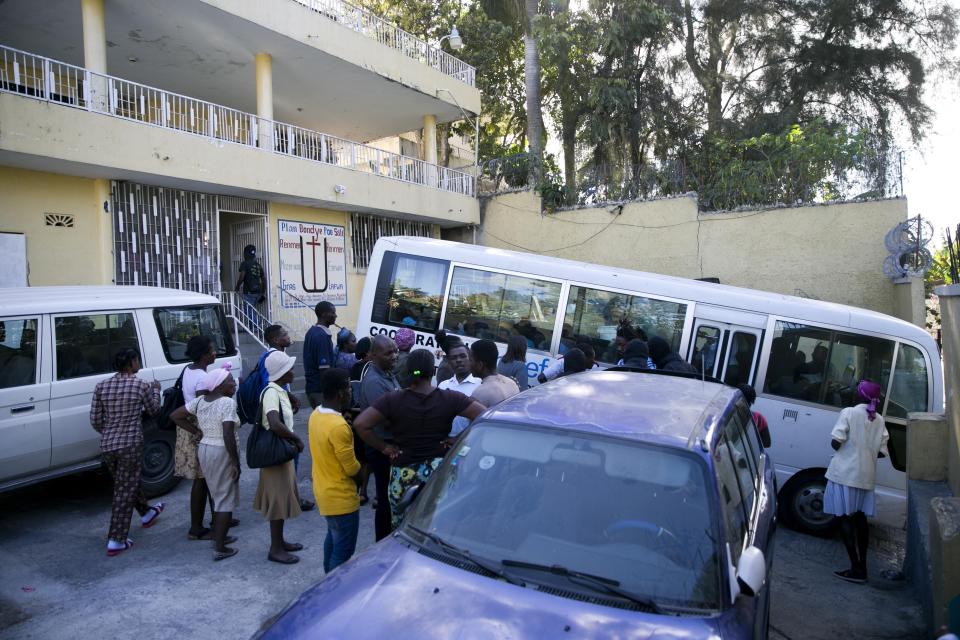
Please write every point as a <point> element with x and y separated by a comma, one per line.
<point>165,238</point>
<point>365,230</point>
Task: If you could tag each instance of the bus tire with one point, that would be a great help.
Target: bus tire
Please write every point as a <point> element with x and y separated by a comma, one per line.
<point>158,454</point>
<point>800,503</point>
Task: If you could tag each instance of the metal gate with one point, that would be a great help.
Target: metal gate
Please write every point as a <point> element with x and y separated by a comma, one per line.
<point>251,230</point>
<point>165,238</point>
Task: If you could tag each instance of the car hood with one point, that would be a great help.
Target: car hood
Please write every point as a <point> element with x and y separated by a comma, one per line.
<point>391,591</point>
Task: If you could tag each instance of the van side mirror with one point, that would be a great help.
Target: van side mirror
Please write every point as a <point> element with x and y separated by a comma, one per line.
<point>751,571</point>
<point>408,497</point>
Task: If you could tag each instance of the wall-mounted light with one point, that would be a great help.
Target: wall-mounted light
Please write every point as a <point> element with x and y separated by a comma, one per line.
<point>456,42</point>
<point>339,189</point>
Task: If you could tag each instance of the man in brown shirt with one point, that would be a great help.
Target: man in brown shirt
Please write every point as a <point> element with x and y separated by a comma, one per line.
<point>494,388</point>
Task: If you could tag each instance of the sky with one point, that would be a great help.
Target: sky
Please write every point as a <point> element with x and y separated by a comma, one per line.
<point>931,174</point>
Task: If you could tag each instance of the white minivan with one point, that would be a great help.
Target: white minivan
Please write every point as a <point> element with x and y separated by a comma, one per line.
<point>57,343</point>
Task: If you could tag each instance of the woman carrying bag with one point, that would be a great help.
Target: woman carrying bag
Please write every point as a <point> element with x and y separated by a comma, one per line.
<point>277,496</point>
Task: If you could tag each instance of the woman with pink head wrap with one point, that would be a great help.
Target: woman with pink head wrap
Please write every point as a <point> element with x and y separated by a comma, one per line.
<point>405,339</point>
<point>218,451</point>
<point>859,438</point>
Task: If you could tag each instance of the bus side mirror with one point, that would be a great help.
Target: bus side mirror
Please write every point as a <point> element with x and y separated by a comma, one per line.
<point>751,571</point>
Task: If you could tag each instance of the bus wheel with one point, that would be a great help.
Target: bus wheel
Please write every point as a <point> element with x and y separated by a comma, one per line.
<point>158,454</point>
<point>801,503</point>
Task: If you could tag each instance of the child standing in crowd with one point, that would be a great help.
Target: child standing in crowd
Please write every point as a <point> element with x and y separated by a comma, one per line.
<point>336,470</point>
<point>218,452</point>
<point>115,413</point>
<point>404,339</point>
<point>859,438</point>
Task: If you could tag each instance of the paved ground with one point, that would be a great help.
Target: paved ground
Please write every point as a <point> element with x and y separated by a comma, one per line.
<point>56,581</point>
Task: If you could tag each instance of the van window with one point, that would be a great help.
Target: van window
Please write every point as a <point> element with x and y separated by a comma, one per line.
<point>410,291</point>
<point>824,366</point>
<point>176,325</point>
<point>595,316</point>
<point>87,344</point>
<point>18,352</point>
<point>495,306</point>
<point>909,391</point>
<point>743,346</point>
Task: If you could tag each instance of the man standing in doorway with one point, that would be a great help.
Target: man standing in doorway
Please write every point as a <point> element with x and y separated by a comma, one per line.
<point>318,351</point>
<point>377,380</point>
<point>494,388</point>
<point>463,380</point>
<point>252,281</point>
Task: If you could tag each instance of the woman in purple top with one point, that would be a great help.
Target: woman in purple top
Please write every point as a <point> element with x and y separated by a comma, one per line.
<point>419,419</point>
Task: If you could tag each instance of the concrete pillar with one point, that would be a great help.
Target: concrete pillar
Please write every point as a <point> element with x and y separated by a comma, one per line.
<point>950,324</point>
<point>430,149</point>
<point>264,71</point>
<point>910,299</point>
<point>945,560</point>
<point>103,208</point>
<point>430,139</point>
<point>94,35</point>
<point>927,447</point>
<point>95,51</point>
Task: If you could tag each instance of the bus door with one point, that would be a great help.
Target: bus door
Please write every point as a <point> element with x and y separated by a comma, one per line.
<point>726,344</point>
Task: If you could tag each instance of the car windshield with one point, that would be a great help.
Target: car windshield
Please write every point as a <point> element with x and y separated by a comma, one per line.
<point>628,512</point>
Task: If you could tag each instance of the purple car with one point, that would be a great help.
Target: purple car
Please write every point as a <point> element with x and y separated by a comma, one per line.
<point>613,504</point>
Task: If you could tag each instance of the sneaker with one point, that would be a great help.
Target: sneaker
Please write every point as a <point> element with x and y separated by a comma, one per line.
<point>850,575</point>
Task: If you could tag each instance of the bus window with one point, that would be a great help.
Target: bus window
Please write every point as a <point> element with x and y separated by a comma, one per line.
<point>743,346</point>
<point>410,291</point>
<point>909,392</point>
<point>854,358</point>
<point>495,306</point>
<point>824,366</point>
<point>596,316</point>
<point>706,346</point>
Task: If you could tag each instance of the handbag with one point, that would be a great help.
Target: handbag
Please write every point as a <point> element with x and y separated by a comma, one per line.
<point>264,447</point>
<point>171,400</point>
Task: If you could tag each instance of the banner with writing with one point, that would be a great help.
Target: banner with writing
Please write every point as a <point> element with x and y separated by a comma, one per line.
<point>313,263</point>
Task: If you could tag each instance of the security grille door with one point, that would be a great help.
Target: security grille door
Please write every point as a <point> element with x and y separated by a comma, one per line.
<point>165,238</point>
<point>243,233</point>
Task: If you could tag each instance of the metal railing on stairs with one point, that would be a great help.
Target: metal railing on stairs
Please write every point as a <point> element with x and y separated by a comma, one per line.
<point>245,315</point>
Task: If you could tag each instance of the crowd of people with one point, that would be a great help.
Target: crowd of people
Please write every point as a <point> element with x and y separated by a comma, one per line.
<point>379,406</point>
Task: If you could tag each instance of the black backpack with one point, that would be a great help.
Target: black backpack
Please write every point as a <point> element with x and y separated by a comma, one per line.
<point>171,401</point>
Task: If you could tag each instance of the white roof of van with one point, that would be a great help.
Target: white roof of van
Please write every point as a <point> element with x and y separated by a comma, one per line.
<point>28,300</point>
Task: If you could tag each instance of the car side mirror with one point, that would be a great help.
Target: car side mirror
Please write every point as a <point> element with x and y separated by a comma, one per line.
<point>408,497</point>
<point>751,571</point>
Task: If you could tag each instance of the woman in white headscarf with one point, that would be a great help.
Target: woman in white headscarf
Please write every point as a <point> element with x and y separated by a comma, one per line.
<point>278,498</point>
<point>218,451</point>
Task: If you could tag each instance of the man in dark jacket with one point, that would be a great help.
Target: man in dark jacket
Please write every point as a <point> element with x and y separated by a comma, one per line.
<point>637,354</point>
<point>666,359</point>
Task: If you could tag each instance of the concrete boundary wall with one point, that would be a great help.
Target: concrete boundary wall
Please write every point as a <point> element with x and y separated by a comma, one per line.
<point>829,252</point>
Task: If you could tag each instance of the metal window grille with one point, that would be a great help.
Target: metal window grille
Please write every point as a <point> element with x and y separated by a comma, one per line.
<point>366,229</point>
<point>165,238</point>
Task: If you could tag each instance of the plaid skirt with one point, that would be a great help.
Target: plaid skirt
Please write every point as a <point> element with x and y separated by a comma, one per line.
<point>404,477</point>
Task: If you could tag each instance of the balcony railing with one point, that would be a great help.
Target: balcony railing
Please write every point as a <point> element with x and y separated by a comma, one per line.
<point>54,81</point>
<point>373,26</point>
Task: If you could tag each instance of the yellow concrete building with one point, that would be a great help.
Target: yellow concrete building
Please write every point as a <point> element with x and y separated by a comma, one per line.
<point>147,143</point>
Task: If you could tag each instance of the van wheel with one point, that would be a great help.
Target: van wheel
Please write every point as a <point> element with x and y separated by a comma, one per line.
<point>801,504</point>
<point>157,473</point>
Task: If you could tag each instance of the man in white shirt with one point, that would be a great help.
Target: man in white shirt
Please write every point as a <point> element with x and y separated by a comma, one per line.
<point>463,380</point>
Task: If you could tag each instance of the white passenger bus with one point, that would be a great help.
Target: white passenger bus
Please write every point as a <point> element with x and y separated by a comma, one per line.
<point>804,357</point>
